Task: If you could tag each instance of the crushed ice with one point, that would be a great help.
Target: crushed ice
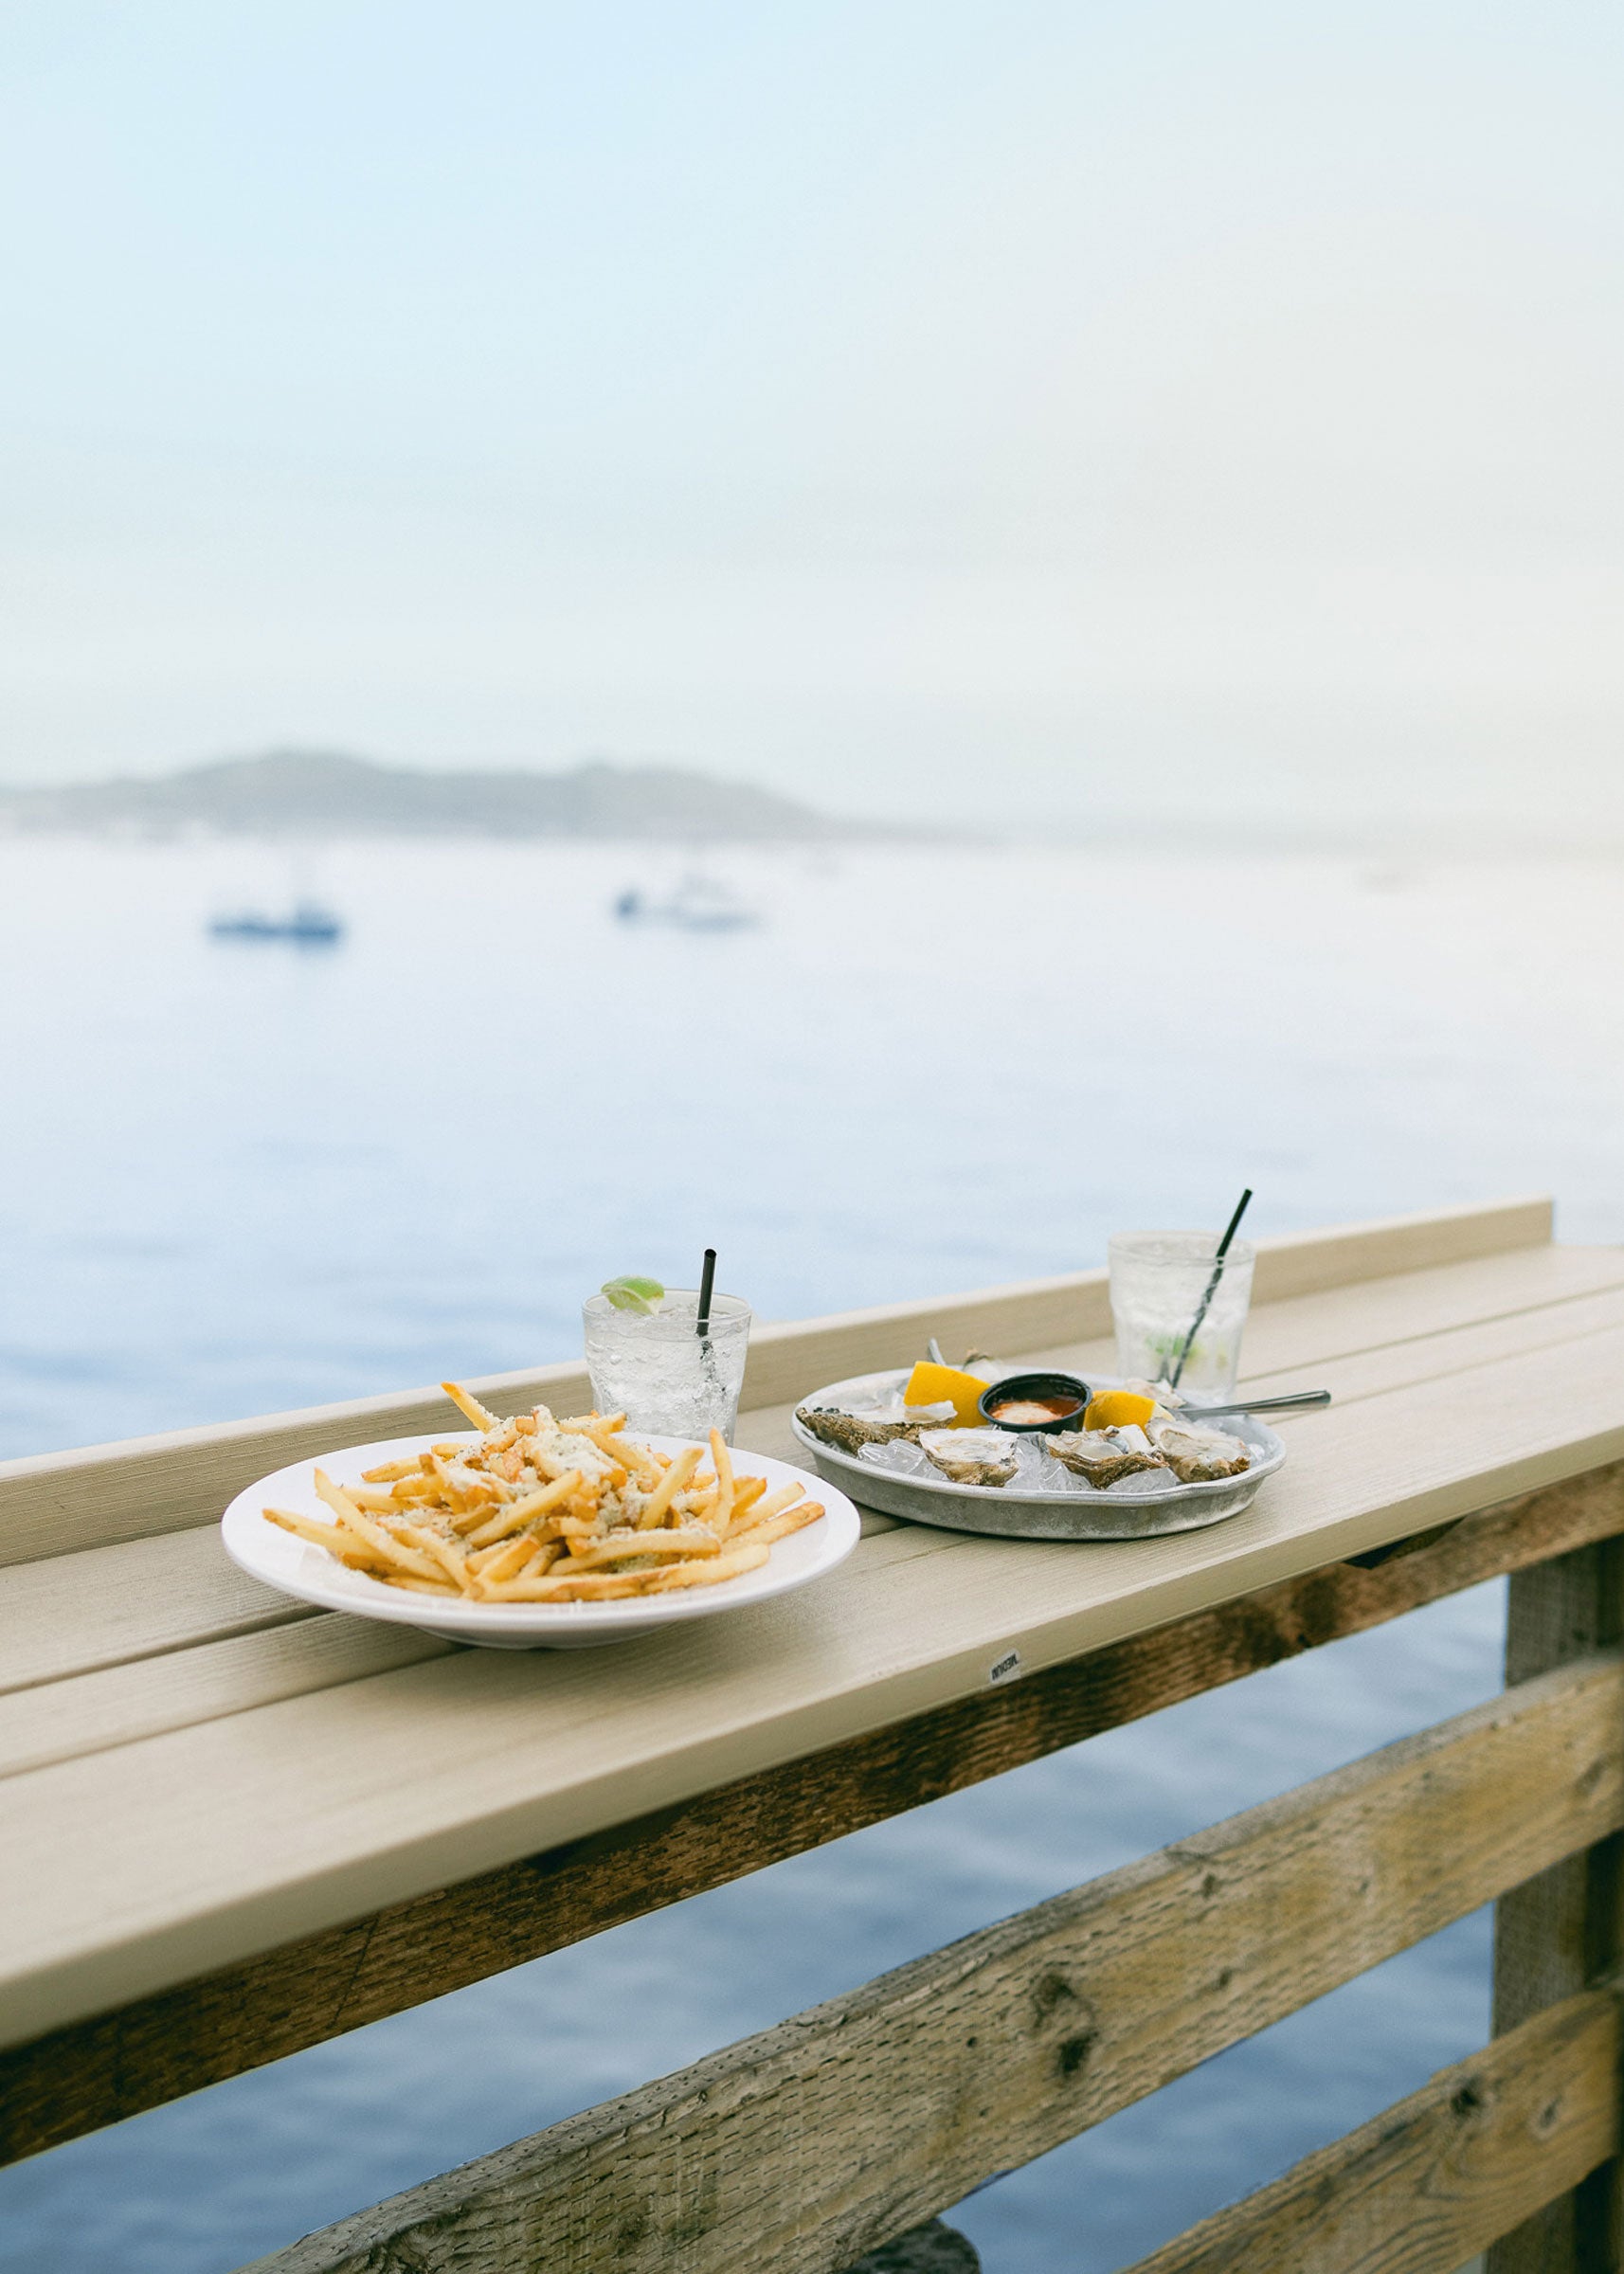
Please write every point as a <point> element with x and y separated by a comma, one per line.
<point>1140,1483</point>
<point>1038,1471</point>
<point>898,1459</point>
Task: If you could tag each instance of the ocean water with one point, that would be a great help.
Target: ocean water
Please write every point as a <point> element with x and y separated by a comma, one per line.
<point>238,1179</point>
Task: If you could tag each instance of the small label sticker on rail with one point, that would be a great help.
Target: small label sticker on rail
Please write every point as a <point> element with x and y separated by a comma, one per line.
<point>1006,1669</point>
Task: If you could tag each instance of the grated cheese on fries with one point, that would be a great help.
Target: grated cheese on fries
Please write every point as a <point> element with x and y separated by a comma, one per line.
<point>548,1511</point>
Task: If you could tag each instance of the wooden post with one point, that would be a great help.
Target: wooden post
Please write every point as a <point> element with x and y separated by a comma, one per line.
<point>1558,1931</point>
<point>933,2249</point>
<point>803,2147</point>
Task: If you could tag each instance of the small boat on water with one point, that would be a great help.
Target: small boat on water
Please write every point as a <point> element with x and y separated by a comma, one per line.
<point>698,903</point>
<point>308,925</point>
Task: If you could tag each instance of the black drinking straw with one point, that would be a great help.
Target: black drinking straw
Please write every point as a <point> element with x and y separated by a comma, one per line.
<point>707,1281</point>
<point>1212,1284</point>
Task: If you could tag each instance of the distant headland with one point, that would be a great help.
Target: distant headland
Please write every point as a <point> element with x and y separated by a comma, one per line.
<point>320,793</point>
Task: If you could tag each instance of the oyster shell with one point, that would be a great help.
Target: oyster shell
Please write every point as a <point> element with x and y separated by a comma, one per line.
<point>1102,1456</point>
<point>1161,1394</point>
<point>849,1432</point>
<point>971,1457</point>
<point>1197,1455</point>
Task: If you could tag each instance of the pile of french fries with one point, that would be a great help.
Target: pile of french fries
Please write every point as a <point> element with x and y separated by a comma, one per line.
<point>545,1511</point>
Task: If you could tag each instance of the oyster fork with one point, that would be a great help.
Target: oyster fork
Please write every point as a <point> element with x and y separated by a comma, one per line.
<point>1294,1402</point>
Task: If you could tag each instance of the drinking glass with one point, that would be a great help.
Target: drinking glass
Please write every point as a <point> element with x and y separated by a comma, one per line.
<point>1157,1281</point>
<point>658,1369</point>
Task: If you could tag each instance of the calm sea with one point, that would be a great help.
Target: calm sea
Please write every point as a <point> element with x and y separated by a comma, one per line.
<point>240,1179</point>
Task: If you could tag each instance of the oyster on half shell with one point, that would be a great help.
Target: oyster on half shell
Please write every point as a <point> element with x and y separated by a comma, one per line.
<point>1103,1455</point>
<point>971,1457</point>
<point>1197,1455</point>
<point>849,1432</point>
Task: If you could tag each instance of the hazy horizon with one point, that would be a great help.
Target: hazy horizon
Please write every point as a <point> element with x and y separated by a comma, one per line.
<point>1104,406</point>
<point>1409,840</point>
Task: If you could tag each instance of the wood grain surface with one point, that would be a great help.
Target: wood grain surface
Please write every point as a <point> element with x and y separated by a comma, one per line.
<point>803,2147</point>
<point>110,1605</point>
<point>152,1598</point>
<point>1567,1925</point>
<point>1480,2148</point>
<point>103,1606</point>
<point>280,1818</point>
<point>121,1704</point>
<point>96,2072</point>
<point>237,1835</point>
<point>54,1504</point>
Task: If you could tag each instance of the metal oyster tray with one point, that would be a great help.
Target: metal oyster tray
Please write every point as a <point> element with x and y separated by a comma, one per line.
<point>1011,1512</point>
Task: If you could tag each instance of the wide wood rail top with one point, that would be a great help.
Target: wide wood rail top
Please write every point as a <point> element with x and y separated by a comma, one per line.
<point>196,1771</point>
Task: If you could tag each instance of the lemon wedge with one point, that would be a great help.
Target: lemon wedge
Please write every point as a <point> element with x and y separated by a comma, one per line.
<point>930,1384</point>
<point>1118,1409</point>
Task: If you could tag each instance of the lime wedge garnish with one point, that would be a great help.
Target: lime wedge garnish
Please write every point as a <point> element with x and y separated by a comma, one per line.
<point>644,1295</point>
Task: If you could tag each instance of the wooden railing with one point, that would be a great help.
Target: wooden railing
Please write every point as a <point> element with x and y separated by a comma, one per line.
<point>804,2148</point>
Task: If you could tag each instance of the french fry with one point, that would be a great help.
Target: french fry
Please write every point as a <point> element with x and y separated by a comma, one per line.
<point>389,1550</point>
<point>678,1475</point>
<point>466,1402</point>
<point>374,1502</point>
<point>511,1557</point>
<point>429,1544</point>
<point>594,1425</point>
<point>644,1468</point>
<point>695,1573</point>
<point>392,1471</point>
<point>781,1525</point>
<point>608,1434</point>
<point>548,1464</point>
<point>595,1587</point>
<point>338,1498</point>
<point>746,1491</point>
<point>520,1513</point>
<point>532,1560</point>
<point>773,1503</point>
<point>336,1541</point>
<point>399,1524</point>
<point>402,1578</point>
<point>467,1490</point>
<point>608,1547</point>
<point>722,1514</point>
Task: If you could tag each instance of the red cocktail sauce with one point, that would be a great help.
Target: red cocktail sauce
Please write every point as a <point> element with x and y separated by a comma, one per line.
<point>1035,1409</point>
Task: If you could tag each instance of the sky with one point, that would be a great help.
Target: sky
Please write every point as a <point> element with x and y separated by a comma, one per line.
<point>931,407</point>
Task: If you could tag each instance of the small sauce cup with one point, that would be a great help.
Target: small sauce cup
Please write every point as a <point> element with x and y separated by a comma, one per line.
<point>1026,1404</point>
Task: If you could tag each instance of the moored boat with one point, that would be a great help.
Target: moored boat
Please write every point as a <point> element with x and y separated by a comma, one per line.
<point>698,903</point>
<point>308,925</point>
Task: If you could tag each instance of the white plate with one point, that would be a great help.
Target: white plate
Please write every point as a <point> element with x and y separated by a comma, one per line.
<point>300,1568</point>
